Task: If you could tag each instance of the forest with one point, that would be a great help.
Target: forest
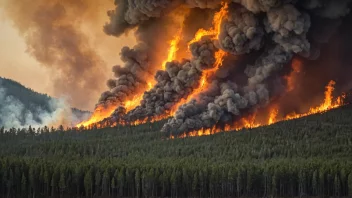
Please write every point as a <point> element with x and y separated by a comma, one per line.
<point>308,157</point>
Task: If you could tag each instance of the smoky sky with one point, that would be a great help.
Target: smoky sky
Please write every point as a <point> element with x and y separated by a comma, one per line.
<point>54,37</point>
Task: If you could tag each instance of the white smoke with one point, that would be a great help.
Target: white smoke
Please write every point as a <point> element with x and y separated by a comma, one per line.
<point>13,113</point>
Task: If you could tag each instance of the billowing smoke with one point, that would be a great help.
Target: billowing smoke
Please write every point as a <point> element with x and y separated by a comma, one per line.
<point>54,36</point>
<point>258,39</point>
<point>141,62</point>
<point>130,78</point>
<point>288,28</point>
<point>258,6</point>
<point>177,82</point>
<point>241,32</point>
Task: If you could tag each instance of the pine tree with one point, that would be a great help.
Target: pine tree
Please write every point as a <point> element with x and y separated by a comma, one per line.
<point>137,182</point>
<point>315,183</point>
<point>24,185</point>
<point>88,183</point>
<point>337,185</point>
<point>350,184</point>
<point>77,179</point>
<point>97,182</point>
<point>62,182</point>
<point>105,183</point>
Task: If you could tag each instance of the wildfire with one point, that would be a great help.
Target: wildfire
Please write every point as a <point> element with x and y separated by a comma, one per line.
<point>173,49</point>
<point>296,68</point>
<point>273,115</point>
<point>215,30</point>
<point>99,114</point>
<point>219,55</point>
<point>329,103</point>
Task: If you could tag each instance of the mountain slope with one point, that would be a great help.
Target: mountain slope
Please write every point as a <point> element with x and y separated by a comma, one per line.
<point>21,106</point>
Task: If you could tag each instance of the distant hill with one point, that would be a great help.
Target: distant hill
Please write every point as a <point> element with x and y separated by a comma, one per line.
<point>21,106</point>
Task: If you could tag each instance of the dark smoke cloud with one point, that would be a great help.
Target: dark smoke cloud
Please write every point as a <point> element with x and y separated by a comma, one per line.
<point>132,13</point>
<point>257,6</point>
<point>241,32</point>
<point>288,28</point>
<point>141,62</point>
<point>328,8</point>
<point>53,36</point>
<point>177,82</point>
<point>232,100</point>
<point>130,78</point>
<point>278,29</point>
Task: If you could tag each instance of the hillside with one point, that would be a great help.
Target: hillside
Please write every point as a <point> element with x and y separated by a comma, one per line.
<point>22,106</point>
<point>309,156</point>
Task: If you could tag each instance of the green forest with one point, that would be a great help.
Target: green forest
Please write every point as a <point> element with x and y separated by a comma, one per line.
<point>306,157</point>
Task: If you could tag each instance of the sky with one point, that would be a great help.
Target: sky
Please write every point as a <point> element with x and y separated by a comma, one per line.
<point>17,64</point>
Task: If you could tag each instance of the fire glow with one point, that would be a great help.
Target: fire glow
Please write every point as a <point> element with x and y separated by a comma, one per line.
<point>215,30</point>
<point>233,76</point>
<point>219,55</point>
<point>329,103</point>
<point>101,113</point>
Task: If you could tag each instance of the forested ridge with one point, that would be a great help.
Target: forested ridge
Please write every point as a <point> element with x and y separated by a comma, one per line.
<point>305,157</point>
<point>25,95</point>
<point>22,106</point>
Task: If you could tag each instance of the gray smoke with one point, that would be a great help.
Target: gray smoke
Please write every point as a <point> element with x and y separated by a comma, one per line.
<point>130,78</point>
<point>233,100</point>
<point>132,13</point>
<point>177,82</point>
<point>288,28</point>
<point>140,63</point>
<point>276,28</point>
<point>241,32</point>
<point>257,6</point>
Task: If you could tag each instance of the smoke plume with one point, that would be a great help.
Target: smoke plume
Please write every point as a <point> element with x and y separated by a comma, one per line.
<point>177,82</point>
<point>54,36</point>
<point>254,41</point>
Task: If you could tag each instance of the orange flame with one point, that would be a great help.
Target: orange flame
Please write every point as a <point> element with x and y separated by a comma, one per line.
<point>173,49</point>
<point>101,113</point>
<point>291,79</point>
<point>329,103</point>
<point>273,115</point>
<point>219,55</point>
<point>215,30</point>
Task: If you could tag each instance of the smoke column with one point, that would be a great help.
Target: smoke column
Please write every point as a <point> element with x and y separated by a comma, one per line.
<point>254,41</point>
<point>53,32</point>
<point>237,56</point>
